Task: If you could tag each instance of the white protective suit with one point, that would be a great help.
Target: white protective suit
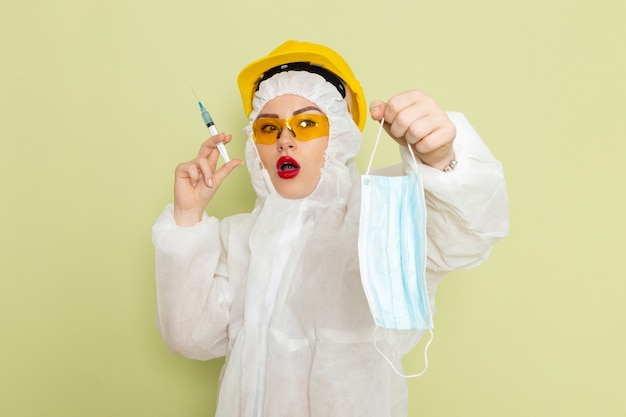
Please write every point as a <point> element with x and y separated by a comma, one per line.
<point>278,290</point>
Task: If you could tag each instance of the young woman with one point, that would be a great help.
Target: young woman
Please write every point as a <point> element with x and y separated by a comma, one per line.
<point>278,291</point>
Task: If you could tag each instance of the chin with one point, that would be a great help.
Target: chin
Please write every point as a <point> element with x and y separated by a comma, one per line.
<point>293,191</point>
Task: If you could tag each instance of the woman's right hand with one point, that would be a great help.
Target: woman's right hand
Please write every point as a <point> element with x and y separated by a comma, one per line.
<point>197,181</point>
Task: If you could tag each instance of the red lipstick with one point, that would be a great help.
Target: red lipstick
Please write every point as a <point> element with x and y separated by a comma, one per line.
<point>287,167</point>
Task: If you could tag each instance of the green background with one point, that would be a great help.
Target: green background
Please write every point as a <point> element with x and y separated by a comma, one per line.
<point>96,110</point>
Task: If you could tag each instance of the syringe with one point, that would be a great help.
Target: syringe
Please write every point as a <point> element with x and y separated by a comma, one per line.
<point>208,121</point>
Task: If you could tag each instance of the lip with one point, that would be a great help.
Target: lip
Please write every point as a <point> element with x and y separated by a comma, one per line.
<point>287,167</point>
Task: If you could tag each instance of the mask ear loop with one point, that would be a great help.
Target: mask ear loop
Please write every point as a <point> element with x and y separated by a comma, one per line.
<point>400,374</point>
<point>432,335</point>
<point>408,145</point>
<point>380,130</point>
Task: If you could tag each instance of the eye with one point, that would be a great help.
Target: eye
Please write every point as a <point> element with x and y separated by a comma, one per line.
<point>306,122</point>
<point>268,127</point>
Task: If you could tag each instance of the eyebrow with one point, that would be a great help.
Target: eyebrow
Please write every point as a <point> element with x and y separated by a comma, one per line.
<point>299,111</point>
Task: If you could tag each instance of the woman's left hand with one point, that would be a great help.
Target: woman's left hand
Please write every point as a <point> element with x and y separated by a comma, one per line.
<point>416,118</point>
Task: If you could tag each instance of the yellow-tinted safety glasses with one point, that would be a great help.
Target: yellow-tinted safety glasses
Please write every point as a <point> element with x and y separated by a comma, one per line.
<point>267,130</point>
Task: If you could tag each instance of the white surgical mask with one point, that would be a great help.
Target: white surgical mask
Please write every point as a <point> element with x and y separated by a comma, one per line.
<point>392,249</point>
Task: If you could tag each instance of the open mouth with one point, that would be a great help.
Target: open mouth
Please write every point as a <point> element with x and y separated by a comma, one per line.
<point>287,167</point>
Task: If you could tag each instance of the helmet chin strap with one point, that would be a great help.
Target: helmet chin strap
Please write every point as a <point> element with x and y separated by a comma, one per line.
<point>335,80</point>
<point>348,98</point>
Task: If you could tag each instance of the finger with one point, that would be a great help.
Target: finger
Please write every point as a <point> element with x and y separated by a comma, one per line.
<point>434,151</point>
<point>206,170</point>
<point>420,116</point>
<point>413,100</point>
<point>377,109</point>
<point>213,157</point>
<point>208,156</point>
<point>182,171</point>
<point>210,144</point>
<point>209,163</point>
<point>397,104</point>
<point>227,138</point>
<point>409,121</point>
<point>430,142</point>
<point>425,125</point>
<point>226,169</point>
<point>194,175</point>
<point>224,139</point>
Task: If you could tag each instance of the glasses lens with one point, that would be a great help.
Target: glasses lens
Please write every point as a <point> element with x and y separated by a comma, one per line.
<point>303,126</point>
<point>309,126</point>
<point>267,130</point>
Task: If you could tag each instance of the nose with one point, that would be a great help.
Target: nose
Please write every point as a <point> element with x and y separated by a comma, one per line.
<point>286,139</point>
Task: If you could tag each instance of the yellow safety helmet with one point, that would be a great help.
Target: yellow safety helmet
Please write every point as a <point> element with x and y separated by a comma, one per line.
<point>304,56</point>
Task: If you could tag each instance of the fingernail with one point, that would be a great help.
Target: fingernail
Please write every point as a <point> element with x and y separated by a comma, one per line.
<point>210,182</point>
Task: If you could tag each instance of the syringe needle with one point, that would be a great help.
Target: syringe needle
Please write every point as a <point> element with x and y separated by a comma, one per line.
<point>194,93</point>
